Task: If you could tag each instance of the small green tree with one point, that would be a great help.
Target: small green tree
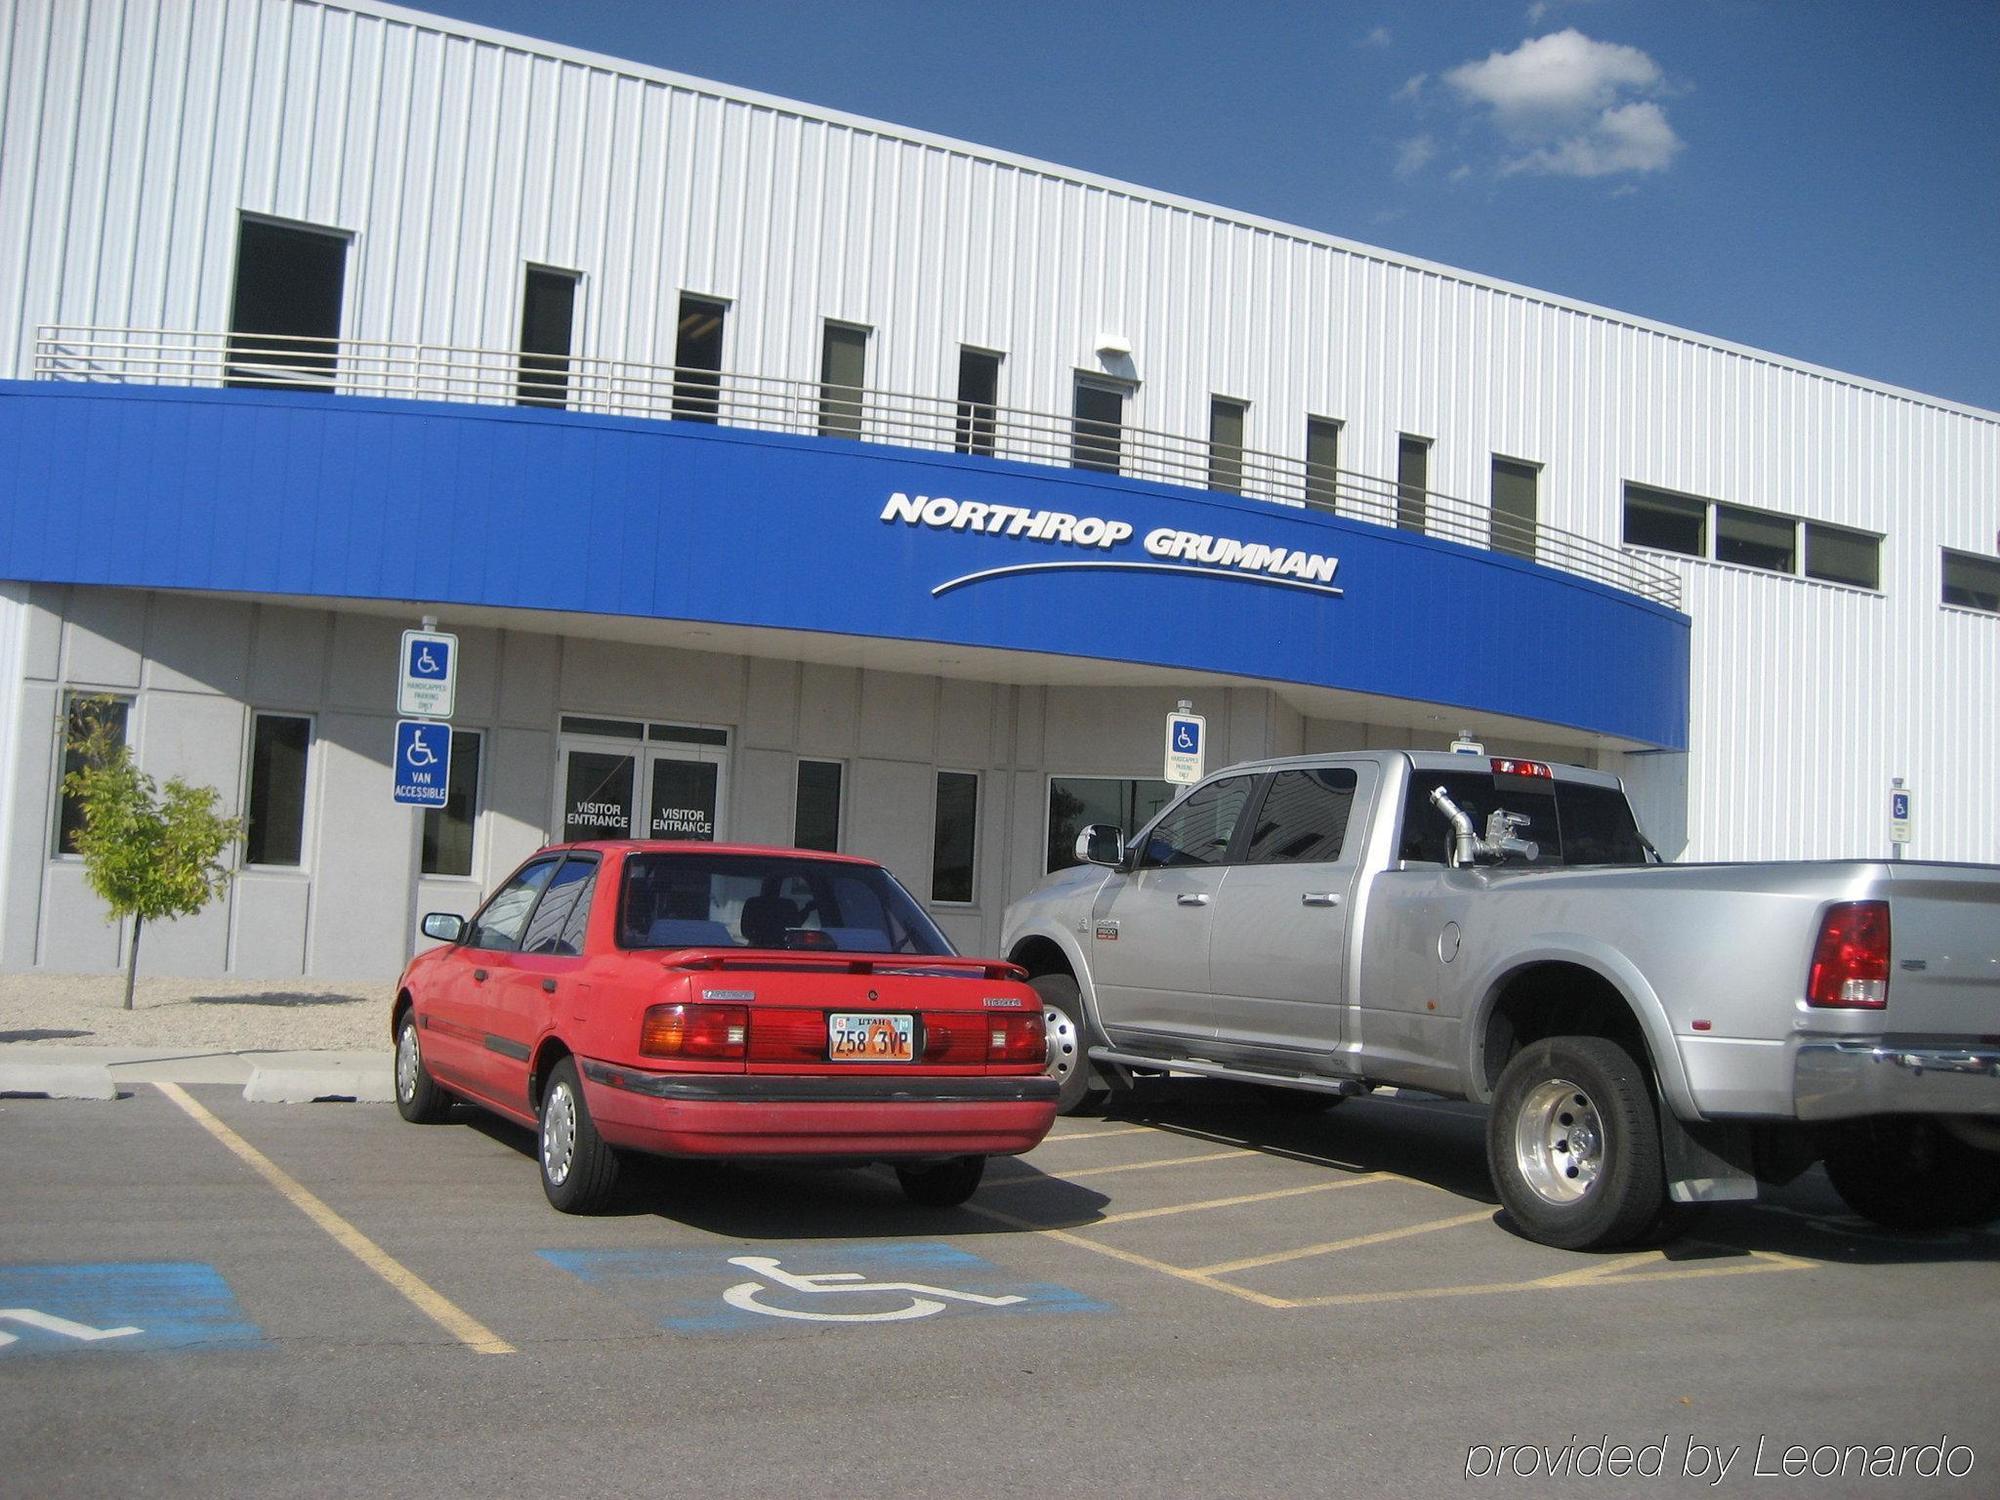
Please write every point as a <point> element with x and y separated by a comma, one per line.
<point>152,854</point>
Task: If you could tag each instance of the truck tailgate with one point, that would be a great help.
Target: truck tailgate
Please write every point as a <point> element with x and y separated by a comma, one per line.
<point>1944,978</point>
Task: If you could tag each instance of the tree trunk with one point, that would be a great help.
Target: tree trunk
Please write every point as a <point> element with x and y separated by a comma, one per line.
<point>132,963</point>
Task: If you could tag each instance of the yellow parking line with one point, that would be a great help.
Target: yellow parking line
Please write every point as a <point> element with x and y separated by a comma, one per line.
<point>432,1304</point>
<point>1094,1135</point>
<point>1130,1166</point>
<point>1243,1198</point>
<point>1608,1274</point>
<point>1179,1273</point>
<point>1332,1247</point>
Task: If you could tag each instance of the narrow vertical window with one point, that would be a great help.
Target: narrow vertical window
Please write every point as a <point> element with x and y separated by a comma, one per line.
<point>275,835</point>
<point>88,715</point>
<point>448,830</point>
<point>284,320</point>
<point>1413,480</point>
<point>698,359</point>
<point>843,371</point>
<point>1322,462</point>
<point>1512,527</point>
<point>1225,444</point>
<point>816,808</point>
<point>548,316</point>
<point>1097,432</point>
<point>955,836</point>
<point>978,396</point>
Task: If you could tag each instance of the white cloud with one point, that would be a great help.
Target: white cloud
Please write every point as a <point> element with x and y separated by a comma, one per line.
<point>1413,155</point>
<point>1381,36</point>
<point>1413,87</point>
<point>1572,106</point>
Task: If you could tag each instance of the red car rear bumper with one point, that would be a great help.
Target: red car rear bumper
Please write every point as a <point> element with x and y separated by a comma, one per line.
<point>757,1115</point>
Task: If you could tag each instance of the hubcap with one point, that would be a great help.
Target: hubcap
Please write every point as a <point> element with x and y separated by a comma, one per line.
<point>1559,1142</point>
<point>406,1062</point>
<point>558,1133</point>
<point>1064,1044</point>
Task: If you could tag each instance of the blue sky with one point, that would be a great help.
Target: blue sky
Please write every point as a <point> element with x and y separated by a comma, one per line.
<point>1820,178</point>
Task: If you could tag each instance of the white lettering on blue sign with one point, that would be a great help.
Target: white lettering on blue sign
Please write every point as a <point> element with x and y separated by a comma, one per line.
<point>1177,551</point>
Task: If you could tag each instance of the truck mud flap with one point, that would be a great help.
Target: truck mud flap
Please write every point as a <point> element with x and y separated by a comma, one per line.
<point>1707,1161</point>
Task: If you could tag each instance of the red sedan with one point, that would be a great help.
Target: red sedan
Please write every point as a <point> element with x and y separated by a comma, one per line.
<point>720,1001</point>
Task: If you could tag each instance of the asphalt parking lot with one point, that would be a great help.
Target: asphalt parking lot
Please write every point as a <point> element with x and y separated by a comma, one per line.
<point>1197,1293</point>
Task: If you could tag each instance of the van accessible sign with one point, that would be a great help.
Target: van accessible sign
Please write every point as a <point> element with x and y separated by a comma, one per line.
<point>1165,549</point>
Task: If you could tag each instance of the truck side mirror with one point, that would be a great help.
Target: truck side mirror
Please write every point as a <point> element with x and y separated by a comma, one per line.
<point>1101,844</point>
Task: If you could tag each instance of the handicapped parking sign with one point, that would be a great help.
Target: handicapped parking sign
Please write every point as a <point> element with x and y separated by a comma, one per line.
<point>1185,752</point>
<point>427,682</point>
<point>423,762</point>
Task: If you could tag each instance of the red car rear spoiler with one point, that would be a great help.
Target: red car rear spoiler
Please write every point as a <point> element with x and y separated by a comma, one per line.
<point>827,962</point>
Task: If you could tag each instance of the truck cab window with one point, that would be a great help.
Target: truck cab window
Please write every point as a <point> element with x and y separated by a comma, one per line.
<point>1304,817</point>
<point>1199,829</point>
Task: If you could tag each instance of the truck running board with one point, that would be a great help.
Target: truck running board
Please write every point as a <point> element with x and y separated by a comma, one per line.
<point>1347,1088</point>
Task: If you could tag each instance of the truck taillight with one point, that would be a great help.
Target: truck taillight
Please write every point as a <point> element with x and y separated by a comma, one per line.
<point>1850,963</point>
<point>709,1032</point>
<point>1016,1038</point>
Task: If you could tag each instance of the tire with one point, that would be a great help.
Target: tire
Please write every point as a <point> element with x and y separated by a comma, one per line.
<point>1907,1172</point>
<point>1574,1145</point>
<point>944,1184</point>
<point>1079,1087</point>
<point>419,1099</point>
<point>578,1170</point>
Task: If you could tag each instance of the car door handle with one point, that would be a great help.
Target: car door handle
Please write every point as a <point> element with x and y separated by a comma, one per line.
<point>548,986</point>
<point>480,975</point>
<point>1320,898</point>
<point>1191,898</point>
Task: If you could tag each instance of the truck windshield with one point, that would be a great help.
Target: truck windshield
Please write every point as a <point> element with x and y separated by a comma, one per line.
<point>697,900</point>
<point>1572,823</point>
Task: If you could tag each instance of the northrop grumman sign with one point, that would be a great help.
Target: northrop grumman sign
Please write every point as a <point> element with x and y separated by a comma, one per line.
<point>1166,549</point>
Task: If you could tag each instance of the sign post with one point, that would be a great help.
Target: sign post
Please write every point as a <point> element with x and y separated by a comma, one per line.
<point>1187,744</point>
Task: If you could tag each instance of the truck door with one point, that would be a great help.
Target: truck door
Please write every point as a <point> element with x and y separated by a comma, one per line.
<point>1279,942</point>
<point>1151,924</point>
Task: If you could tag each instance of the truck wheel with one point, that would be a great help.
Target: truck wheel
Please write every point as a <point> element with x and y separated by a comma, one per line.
<point>1574,1144</point>
<point>1078,1086</point>
<point>1906,1172</point>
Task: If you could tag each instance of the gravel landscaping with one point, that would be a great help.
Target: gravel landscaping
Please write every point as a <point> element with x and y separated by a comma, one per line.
<point>224,1015</point>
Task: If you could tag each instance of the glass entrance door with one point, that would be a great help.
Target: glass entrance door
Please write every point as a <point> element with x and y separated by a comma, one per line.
<point>640,789</point>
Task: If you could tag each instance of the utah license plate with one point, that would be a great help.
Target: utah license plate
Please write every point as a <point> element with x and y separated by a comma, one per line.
<point>853,1037</point>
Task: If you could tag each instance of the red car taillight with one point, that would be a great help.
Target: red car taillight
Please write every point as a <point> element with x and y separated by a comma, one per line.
<point>1850,963</point>
<point>1016,1038</point>
<point>708,1032</point>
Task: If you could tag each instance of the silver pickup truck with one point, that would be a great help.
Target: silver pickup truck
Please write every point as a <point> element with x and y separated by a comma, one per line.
<point>1647,1034</point>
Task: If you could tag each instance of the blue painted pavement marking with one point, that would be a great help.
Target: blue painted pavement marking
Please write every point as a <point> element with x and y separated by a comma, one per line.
<point>740,1290</point>
<point>114,1306</point>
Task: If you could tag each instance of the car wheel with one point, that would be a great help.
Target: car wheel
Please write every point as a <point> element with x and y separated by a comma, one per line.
<point>419,1099</point>
<point>1906,1172</point>
<point>1079,1087</point>
<point>578,1169</point>
<point>944,1184</point>
<point>1574,1144</point>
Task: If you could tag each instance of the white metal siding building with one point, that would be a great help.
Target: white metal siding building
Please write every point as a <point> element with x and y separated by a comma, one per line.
<point>448,163</point>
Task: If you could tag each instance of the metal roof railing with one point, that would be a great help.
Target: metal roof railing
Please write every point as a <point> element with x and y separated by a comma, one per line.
<point>442,372</point>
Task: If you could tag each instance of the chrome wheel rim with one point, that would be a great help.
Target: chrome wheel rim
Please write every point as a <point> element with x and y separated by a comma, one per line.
<point>1065,1047</point>
<point>1559,1142</point>
<point>407,1062</point>
<point>558,1133</point>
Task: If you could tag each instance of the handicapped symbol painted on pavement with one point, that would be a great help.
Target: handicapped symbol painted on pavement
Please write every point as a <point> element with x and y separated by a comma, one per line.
<point>923,1303</point>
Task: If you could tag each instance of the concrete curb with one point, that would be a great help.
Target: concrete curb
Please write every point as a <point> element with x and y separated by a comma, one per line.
<point>366,1083</point>
<point>58,1080</point>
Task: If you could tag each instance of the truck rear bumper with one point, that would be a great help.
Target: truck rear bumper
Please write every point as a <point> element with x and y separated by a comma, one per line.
<point>1838,1080</point>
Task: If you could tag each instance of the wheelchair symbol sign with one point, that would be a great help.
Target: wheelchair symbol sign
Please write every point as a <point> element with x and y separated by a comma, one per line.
<point>912,1299</point>
<point>423,763</point>
<point>1185,733</point>
<point>427,675</point>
